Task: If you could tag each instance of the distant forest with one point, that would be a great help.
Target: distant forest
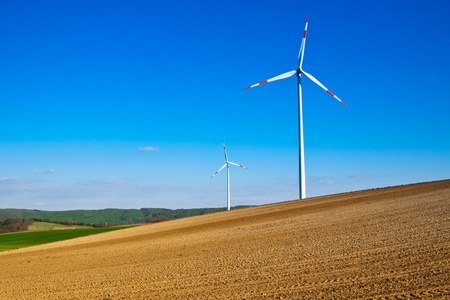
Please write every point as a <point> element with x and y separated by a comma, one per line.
<point>110,216</point>
<point>14,225</point>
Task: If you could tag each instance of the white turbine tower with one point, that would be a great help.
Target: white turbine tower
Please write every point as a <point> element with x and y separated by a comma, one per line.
<point>299,72</point>
<point>227,163</point>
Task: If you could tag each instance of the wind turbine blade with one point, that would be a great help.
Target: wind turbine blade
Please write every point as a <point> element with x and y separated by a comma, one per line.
<point>232,163</point>
<point>282,76</point>
<point>219,170</point>
<point>302,47</point>
<point>322,86</point>
<point>225,151</point>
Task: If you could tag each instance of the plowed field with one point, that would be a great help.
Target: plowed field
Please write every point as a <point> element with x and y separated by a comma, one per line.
<point>390,243</point>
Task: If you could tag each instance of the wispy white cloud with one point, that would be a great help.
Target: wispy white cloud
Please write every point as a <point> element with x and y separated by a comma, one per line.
<point>129,193</point>
<point>11,180</point>
<point>51,171</point>
<point>361,177</point>
<point>119,193</point>
<point>23,193</point>
<point>148,149</point>
<point>110,181</point>
<point>323,180</point>
<point>10,188</point>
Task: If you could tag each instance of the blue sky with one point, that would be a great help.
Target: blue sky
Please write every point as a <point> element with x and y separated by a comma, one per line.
<point>125,103</point>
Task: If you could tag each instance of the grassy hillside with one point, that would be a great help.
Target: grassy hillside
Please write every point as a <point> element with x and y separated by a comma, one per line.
<point>31,238</point>
<point>109,216</point>
<point>46,226</point>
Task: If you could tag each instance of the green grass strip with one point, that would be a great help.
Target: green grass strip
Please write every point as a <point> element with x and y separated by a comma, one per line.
<point>30,238</point>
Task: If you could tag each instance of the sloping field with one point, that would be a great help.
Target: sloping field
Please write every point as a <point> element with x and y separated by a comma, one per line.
<point>391,243</point>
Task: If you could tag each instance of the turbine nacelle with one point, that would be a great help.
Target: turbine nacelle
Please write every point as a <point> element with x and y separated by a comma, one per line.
<point>227,164</point>
<point>299,71</point>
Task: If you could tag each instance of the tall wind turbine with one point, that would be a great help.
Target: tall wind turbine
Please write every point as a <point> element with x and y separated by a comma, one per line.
<point>227,163</point>
<point>299,73</point>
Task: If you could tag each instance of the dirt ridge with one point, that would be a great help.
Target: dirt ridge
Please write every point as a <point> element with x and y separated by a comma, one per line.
<point>389,243</point>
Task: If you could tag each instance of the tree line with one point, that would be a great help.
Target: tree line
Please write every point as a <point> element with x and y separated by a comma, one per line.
<point>107,217</point>
<point>15,225</point>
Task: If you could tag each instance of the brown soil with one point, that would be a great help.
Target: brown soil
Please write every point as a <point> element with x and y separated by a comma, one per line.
<point>391,243</point>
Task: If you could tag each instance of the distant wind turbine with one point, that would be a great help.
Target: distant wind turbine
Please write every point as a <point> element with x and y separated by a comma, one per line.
<point>299,72</point>
<point>227,163</point>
